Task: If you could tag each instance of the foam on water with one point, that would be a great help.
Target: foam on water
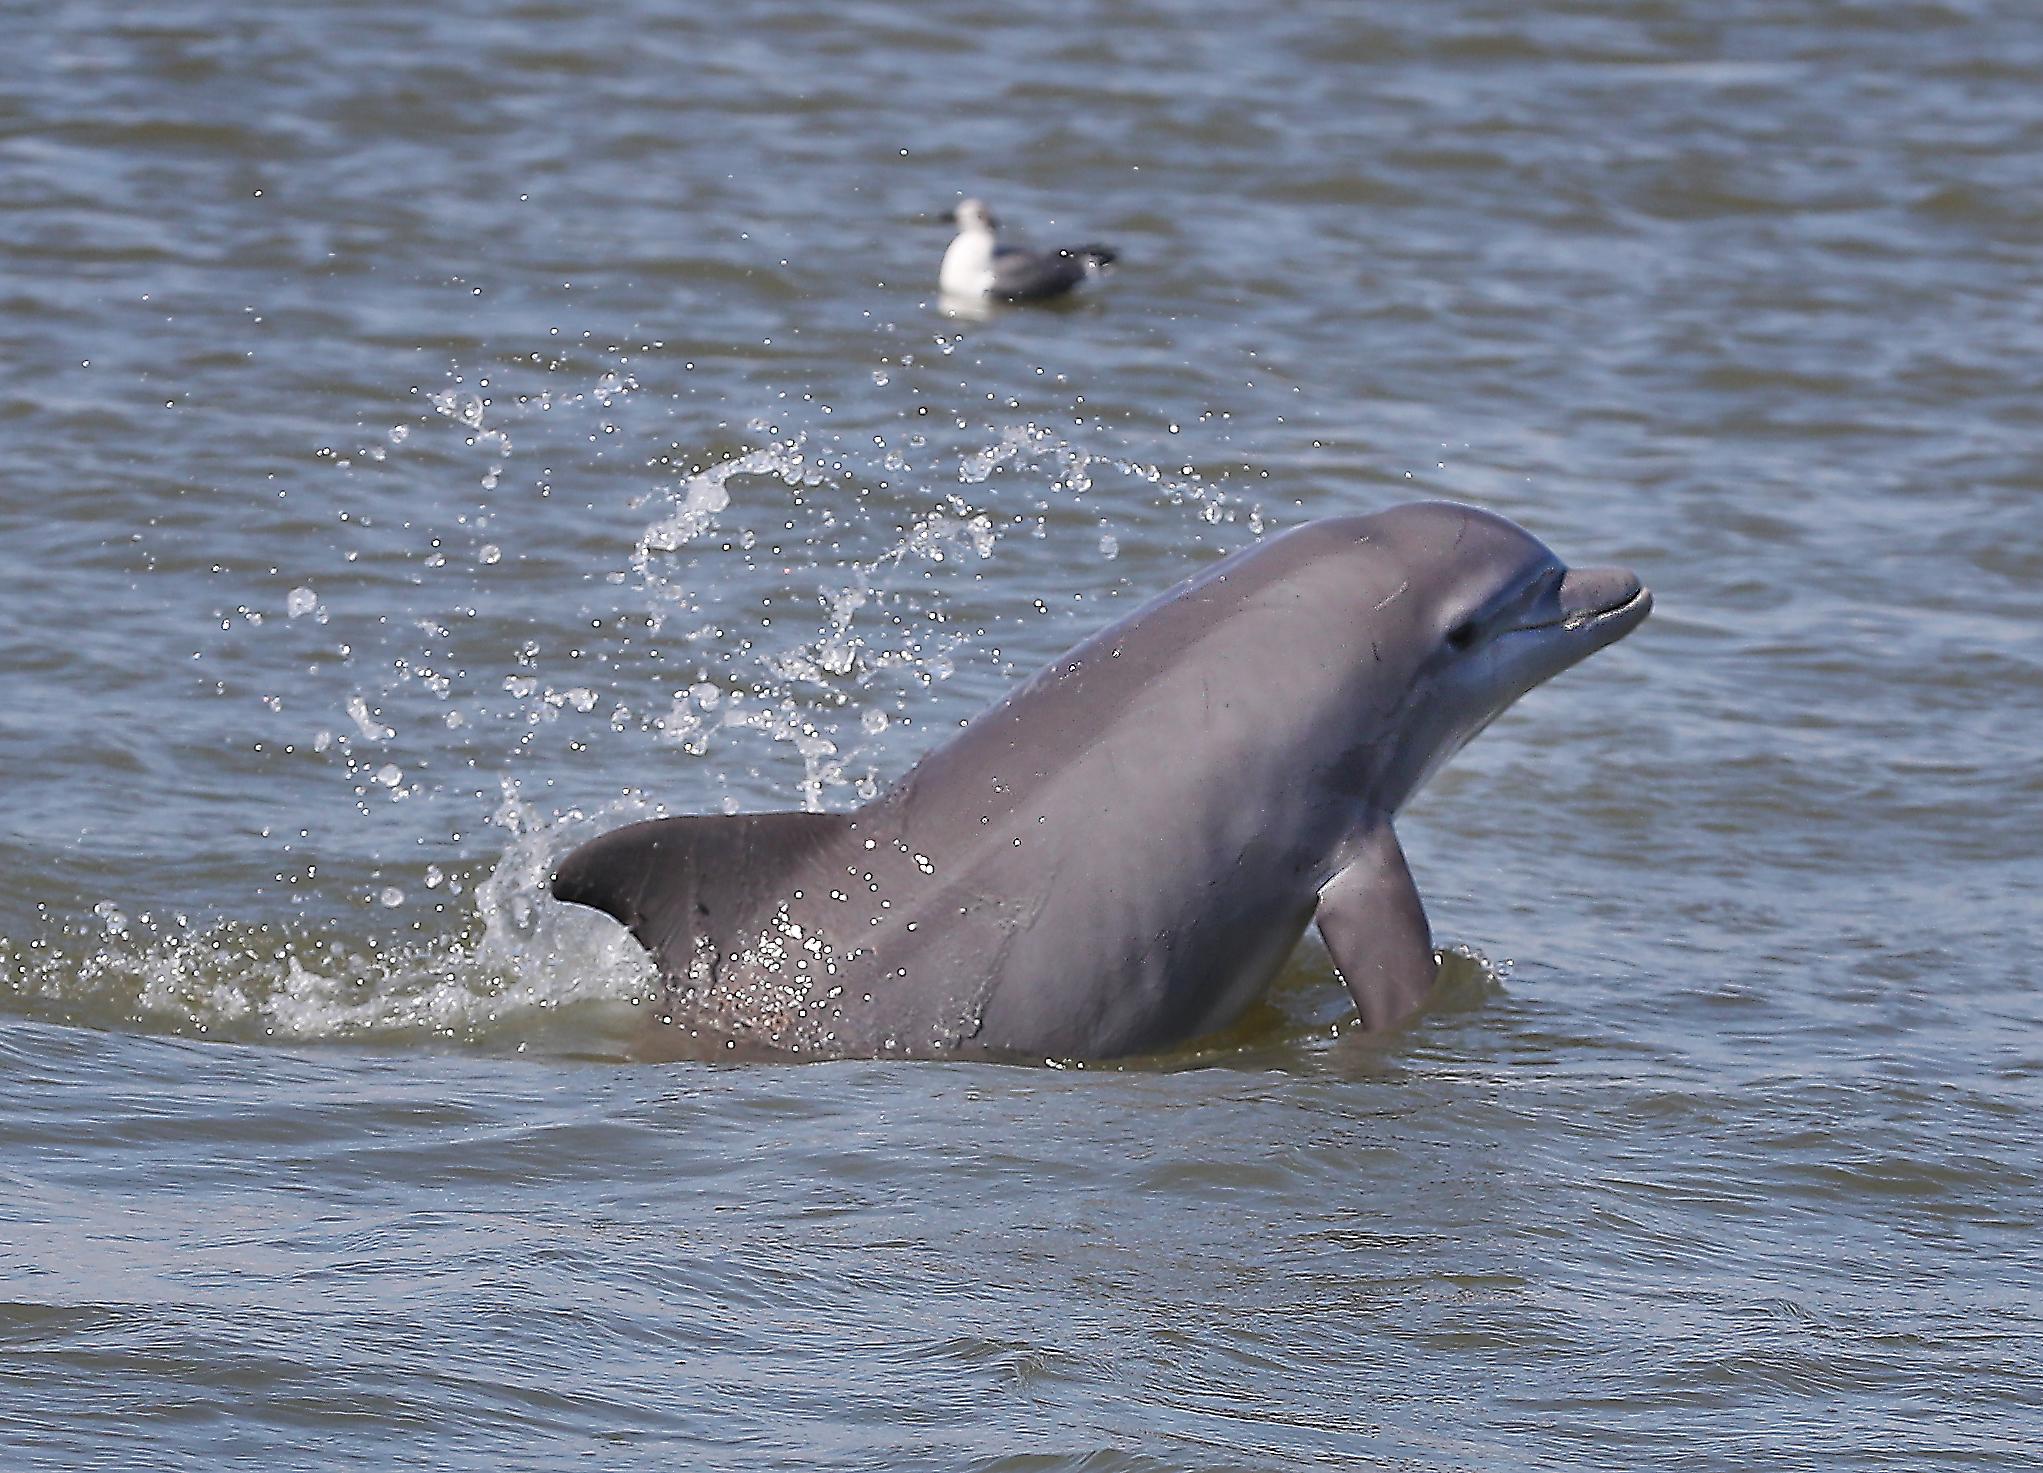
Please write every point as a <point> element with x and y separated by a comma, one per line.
<point>495,964</point>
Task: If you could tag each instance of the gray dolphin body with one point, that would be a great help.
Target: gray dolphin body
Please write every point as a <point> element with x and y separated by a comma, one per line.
<point>1121,854</point>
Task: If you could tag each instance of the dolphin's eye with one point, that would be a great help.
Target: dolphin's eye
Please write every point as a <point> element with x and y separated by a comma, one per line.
<point>1462,635</point>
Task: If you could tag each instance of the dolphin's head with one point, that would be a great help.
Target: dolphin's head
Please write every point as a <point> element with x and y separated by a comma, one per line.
<point>1487,612</point>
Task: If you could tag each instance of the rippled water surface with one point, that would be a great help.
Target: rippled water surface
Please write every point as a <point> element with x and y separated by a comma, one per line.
<point>432,435</point>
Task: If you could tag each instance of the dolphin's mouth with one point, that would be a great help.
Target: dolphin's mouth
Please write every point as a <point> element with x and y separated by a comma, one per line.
<point>1636,607</point>
<point>1594,599</point>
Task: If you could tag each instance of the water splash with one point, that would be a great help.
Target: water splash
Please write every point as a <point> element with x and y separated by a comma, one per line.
<point>768,623</point>
<point>513,973</point>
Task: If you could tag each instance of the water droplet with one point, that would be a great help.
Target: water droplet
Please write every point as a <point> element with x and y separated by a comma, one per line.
<point>371,728</point>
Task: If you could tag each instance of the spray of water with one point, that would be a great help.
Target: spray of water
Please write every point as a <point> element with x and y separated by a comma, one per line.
<point>781,618</point>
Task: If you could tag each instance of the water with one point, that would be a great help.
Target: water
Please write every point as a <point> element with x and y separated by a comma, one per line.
<point>434,435</point>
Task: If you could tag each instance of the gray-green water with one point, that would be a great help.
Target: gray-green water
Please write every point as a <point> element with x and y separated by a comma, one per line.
<point>431,434</point>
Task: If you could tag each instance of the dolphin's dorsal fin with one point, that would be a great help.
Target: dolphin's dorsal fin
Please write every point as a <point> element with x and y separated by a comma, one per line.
<point>679,883</point>
<point>1374,925</point>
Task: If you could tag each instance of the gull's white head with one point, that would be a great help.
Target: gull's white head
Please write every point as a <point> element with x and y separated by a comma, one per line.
<point>972,215</point>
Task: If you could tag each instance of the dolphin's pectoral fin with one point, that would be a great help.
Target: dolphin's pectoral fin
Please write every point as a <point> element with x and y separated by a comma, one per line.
<point>1374,926</point>
<point>679,883</point>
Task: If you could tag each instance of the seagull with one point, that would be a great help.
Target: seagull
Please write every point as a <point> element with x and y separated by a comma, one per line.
<point>978,268</point>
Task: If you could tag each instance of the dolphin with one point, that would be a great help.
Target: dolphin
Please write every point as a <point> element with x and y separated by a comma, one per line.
<point>1120,855</point>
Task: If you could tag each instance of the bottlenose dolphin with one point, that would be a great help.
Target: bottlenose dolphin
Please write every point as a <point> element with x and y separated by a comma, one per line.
<point>1120,855</point>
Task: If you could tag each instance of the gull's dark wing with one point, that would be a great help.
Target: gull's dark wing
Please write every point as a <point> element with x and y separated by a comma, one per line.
<point>1021,275</point>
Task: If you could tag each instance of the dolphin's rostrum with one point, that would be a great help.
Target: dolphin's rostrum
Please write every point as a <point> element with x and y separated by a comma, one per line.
<point>1121,854</point>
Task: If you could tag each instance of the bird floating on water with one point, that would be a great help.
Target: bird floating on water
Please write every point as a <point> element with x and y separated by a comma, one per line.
<point>978,268</point>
